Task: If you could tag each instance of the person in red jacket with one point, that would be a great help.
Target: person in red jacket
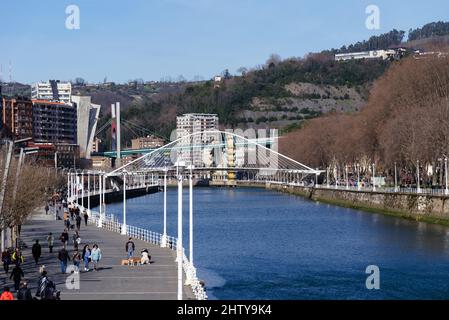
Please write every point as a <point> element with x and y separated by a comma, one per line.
<point>6,295</point>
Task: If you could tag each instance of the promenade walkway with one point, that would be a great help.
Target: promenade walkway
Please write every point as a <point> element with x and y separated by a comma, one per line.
<point>113,281</point>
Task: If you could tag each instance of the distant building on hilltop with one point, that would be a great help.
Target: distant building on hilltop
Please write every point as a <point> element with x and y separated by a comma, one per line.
<point>373,54</point>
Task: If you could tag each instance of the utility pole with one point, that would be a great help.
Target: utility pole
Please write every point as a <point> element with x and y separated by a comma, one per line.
<point>3,190</point>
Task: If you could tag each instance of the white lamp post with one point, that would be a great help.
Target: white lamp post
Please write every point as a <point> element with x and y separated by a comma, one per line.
<point>124,204</point>
<point>446,190</point>
<point>358,177</point>
<point>418,179</point>
<point>179,248</point>
<point>164,235</point>
<point>395,178</point>
<point>374,177</point>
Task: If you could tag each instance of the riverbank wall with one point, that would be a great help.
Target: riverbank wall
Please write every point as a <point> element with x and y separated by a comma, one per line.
<point>427,208</point>
<point>117,196</point>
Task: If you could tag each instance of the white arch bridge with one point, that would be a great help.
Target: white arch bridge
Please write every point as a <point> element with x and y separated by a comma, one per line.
<point>209,156</point>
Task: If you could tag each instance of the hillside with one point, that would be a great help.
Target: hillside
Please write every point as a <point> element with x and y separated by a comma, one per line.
<point>406,119</point>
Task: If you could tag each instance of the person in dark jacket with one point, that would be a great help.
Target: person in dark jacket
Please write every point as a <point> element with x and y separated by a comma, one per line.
<point>17,275</point>
<point>36,251</point>
<point>78,220</point>
<point>130,247</point>
<point>24,292</point>
<point>86,217</point>
<point>63,257</point>
<point>64,238</point>
<point>6,259</point>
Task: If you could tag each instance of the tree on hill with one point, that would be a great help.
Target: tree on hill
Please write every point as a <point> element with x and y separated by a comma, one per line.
<point>429,30</point>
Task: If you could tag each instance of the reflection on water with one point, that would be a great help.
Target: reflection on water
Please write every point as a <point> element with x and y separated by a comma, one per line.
<point>258,244</point>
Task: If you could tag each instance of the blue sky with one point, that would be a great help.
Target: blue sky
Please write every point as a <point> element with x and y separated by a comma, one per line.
<point>151,39</point>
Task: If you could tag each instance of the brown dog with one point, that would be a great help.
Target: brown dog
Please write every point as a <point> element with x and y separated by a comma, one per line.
<point>131,262</point>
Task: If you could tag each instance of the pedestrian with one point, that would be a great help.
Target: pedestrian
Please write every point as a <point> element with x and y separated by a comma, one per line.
<point>36,250</point>
<point>145,257</point>
<point>78,220</point>
<point>86,217</point>
<point>64,238</point>
<point>42,285</point>
<point>24,292</point>
<point>86,257</point>
<point>72,214</point>
<point>76,258</point>
<point>46,208</point>
<point>130,247</point>
<point>6,259</point>
<point>76,240</point>
<point>96,256</point>
<point>50,241</point>
<point>17,275</point>
<point>17,257</point>
<point>6,294</point>
<point>63,257</point>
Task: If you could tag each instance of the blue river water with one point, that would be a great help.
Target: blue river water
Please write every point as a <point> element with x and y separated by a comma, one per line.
<point>260,244</point>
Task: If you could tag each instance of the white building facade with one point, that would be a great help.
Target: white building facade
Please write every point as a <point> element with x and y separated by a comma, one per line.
<point>188,124</point>
<point>52,90</point>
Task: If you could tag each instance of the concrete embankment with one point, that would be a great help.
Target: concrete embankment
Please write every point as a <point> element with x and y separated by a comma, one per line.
<point>117,196</point>
<point>427,208</point>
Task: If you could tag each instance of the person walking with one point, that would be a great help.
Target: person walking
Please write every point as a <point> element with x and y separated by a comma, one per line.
<point>36,250</point>
<point>46,208</point>
<point>86,217</point>
<point>76,240</point>
<point>63,257</point>
<point>76,258</point>
<point>24,292</point>
<point>17,275</point>
<point>64,238</point>
<point>6,259</point>
<point>96,256</point>
<point>42,285</point>
<point>50,241</point>
<point>86,257</point>
<point>6,294</point>
<point>130,247</point>
<point>17,257</point>
<point>78,220</point>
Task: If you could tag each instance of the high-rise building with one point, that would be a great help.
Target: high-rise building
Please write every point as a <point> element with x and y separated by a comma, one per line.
<point>87,119</point>
<point>188,124</point>
<point>53,90</point>
<point>17,117</point>
<point>54,122</point>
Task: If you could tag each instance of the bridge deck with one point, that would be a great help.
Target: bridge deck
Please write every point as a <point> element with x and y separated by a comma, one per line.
<point>112,281</point>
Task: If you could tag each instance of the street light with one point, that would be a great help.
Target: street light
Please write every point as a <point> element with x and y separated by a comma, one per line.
<point>418,180</point>
<point>124,203</point>
<point>446,190</point>
<point>374,177</point>
<point>358,176</point>
<point>179,249</point>
<point>395,178</point>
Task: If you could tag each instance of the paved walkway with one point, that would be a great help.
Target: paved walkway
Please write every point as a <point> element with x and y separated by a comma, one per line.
<point>112,281</point>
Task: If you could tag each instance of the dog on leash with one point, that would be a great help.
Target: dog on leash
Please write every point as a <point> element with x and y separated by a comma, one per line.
<point>131,262</point>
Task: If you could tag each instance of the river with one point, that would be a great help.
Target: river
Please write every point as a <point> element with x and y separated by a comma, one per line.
<point>260,244</point>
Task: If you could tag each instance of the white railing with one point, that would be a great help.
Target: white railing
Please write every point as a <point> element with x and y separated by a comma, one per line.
<point>423,191</point>
<point>109,222</point>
